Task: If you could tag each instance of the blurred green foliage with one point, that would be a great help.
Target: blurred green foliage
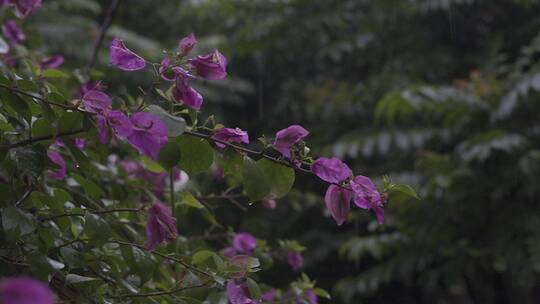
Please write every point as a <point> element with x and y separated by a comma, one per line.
<point>439,94</point>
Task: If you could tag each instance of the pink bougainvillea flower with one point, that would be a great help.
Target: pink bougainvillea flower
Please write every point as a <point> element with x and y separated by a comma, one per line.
<point>88,86</point>
<point>80,143</point>
<point>123,58</point>
<point>172,73</point>
<point>239,294</point>
<point>244,242</point>
<point>295,259</point>
<point>161,225</point>
<point>164,71</point>
<point>51,62</point>
<point>309,296</point>
<point>187,95</point>
<point>332,170</point>
<point>102,128</point>
<point>120,124</point>
<point>269,296</point>
<point>25,7</point>
<point>158,180</point>
<point>12,32</point>
<point>100,103</point>
<point>60,143</point>
<point>366,196</point>
<point>56,158</point>
<point>269,203</point>
<point>186,45</point>
<point>95,101</point>
<point>289,137</point>
<point>338,202</point>
<point>23,290</point>
<point>149,134</point>
<point>228,252</point>
<point>212,66</point>
<point>240,262</point>
<point>230,135</point>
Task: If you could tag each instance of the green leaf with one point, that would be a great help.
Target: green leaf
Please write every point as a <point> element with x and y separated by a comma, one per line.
<point>17,222</point>
<point>141,261</point>
<point>16,104</point>
<point>81,160</point>
<point>47,237</point>
<point>190,200</point>
<point>40,200</point>
<point>4,124</point>
<point>29,160</point>
<point>231,163</point>
<point>253,264</point>
<point>201,256</point>
<point>255,183</point>
<point>47,112</point>
<point>91,188</point>
<point>76,279</point>
<point>175,125</point>
<point>70,121</point>
<point>151,165</point>
<point>322,293</point>
<point>4,47</point>
<point>405,189</point>
<point>52,73</point>
<point>254,289</point>
<point>169,155</point>
<point>56,97</point>
<point>43,267</point>
<point>197,154</point>
<point>42,127</point>
<point>27,85</point>
<point>280,178</point>
<point>97,229</point>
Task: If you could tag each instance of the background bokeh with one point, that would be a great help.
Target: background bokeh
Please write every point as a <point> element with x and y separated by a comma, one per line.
<point>439,94</point>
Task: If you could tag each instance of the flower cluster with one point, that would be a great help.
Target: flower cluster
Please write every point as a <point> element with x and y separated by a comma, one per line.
<point>178,69</point>
<point>144,131</point>
<point>343,187</point>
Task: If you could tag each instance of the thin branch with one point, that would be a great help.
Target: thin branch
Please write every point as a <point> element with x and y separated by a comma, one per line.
<point>210,237</point>
<point>25,196</point>
<point>103,30</point>
<point>220,197</point>
<point>67,243</point>
<point>231,199</point>
<point>257,153</point>
<point>40,138</point>
<point>15,90</point>
<point>161,293</point>
<point>168,257</point>
<point>92,211</point>
<point>12,261</point>
<point>195,134</point>
<point>246,150</point>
